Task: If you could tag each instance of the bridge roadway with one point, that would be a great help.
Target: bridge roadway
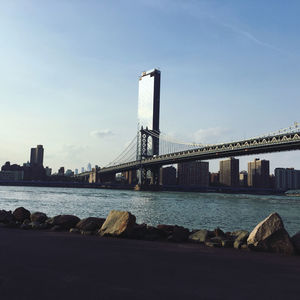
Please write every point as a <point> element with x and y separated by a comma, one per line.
<point>274,143</point>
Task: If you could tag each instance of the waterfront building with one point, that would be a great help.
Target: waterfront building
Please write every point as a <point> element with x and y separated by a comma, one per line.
<point>37,156</point>
<point>244,178</point>
<point>259,173</point>
<point>11,175</point>
<point>229,172</point>
<point>168,176</point>
<point>61,171</point>
<point>193,173</point>
<point>48,171</point>
<point>69,173</point>
<point>12,172</point>
<point>214,179</point>
<point>287,179</point>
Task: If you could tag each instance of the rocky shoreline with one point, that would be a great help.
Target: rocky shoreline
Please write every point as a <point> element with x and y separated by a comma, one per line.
<point>268,236</point>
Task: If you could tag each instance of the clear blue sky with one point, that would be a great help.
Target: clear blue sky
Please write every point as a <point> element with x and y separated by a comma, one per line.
<point>69,74</point>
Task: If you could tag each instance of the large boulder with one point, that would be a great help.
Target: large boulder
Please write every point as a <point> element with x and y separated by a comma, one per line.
<point>64,221</point>
<point>6,217</point>
<point>118,223</point>
<point>38,217</point>
<point>200,236</point>
<point>90,224</point>
<point>270,235</point>
<point>240,238</point>
<point>180,234</point>
<point>21,214</point>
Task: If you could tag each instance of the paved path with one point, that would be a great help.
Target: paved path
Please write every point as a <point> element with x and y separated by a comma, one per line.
<point>44,265</point>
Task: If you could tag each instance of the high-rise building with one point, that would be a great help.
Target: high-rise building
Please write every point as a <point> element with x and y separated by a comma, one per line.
<point>61,171</point>
<point>244,178</point>
<point>259,173</point>
<point>89,167</point>
<point>37,156</point>
<point>82,169</point>
<point>214,179</point>
<point>229,172</point>
<point>76,171</point>
<point>148,110</point>
<point>287,179</point>
<point>168,176</point>
<point>193,173</point>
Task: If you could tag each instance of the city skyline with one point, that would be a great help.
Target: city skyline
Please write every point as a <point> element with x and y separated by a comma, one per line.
<point>228,72</point>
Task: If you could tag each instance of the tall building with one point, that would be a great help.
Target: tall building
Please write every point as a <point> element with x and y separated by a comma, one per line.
<point>259,173</point>
<point>89,167</point>
<point>168,176</point>
<point>214,179</point>
<point>244,178</point>
<point>287,179</point>
<point>148,110</point>
<point>37,156</point>
<point>193,173</point>
<point>229,172</point>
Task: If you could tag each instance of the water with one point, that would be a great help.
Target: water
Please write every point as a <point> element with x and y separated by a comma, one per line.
<point>191,210</point>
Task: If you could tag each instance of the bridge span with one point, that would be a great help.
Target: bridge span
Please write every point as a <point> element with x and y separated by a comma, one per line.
<point>266,144</point>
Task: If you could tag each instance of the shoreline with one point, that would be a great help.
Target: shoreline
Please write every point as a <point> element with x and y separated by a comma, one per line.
<point>183,189</point>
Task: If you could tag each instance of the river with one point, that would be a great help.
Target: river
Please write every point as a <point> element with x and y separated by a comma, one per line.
<point>192,210</point>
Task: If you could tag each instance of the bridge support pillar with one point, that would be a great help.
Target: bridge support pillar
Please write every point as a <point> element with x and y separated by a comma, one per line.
<point>155,174</point>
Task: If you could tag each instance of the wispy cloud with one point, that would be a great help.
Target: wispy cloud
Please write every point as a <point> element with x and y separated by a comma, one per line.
<point>211,135</point>
<point>247,35</point>
<point>101,133</point>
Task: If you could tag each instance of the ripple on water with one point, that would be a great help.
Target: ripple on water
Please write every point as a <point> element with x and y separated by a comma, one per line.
<point>192,210</point>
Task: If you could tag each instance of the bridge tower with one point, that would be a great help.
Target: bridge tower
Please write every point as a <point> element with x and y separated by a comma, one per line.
<point>148,122</point>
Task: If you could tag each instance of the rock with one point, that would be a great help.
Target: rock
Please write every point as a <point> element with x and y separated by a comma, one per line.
<point>139,231</point>
<point>227,243</point>
<point>74,230</point>
<point>296,241</point>
<point>21,214</point>
<point>270,235</point>
<point>237,244</point>
<point>219,232</point>
<point>244,247</point>
<point>35,225</point>
<point>118,223</point>
<point>153,234</point>
<point>241,235</point>
<point>6,217</point>
<point>56,228</point>
<point>199,236</point>
<point>180,234</point>
<point>64,221</point>
<point>90,224</point>
<point>146,232</point>
<point>166,229</point>
<point>38,217</point>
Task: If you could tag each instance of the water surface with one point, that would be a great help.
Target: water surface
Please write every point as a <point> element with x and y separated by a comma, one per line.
<point>192,210</point>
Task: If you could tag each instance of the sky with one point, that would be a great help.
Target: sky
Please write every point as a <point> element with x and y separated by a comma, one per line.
<point>69,74</point>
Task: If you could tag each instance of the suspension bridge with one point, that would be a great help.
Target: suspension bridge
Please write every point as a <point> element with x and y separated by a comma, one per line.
<point>150,149</point>
<point>172,151</point>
